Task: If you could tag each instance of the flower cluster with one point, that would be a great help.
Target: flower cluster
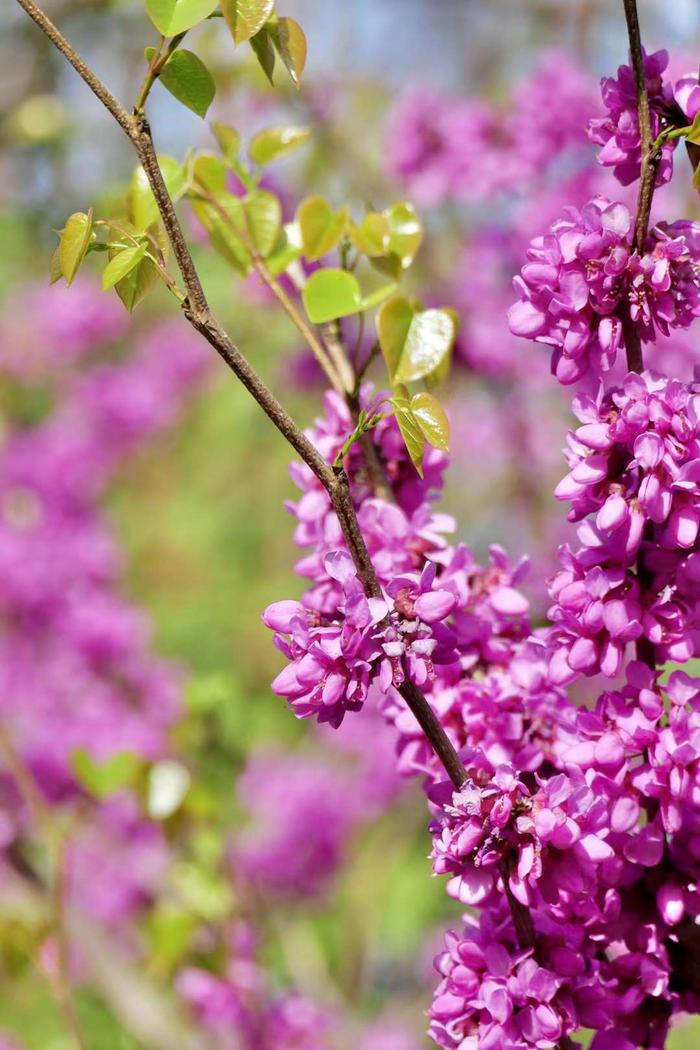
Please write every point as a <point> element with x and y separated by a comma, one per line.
<point>671,105</point>
<point>582,283</point>
<point>576,829</point>
<point>470,150</point>
<point>634,473</point>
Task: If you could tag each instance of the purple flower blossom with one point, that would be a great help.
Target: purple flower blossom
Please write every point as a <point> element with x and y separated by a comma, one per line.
<point>618,132</point>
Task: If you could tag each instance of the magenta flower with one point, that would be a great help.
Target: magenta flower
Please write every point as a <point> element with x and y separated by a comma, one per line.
<point>618,132</point>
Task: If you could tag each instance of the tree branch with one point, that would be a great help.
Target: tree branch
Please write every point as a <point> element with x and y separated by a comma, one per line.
<point>650,156</point>
<point>200,316</point>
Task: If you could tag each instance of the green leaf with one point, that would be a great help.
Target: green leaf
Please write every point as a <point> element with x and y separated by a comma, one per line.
<point>264,50</point>
<point>329,294</point>
<point>104,778</point>
<point>55,271</point>
<point>405,231</point>
<point>210,172</point>
<point>121,265</point>
<point>693,135</point>
<point>223,232</point>
<point>290,41</point>
<point>322,229</point>
<point>408,425</point>
<point>171,17</point>
<point>371,237</point>
<point>245,18</point>
<point>229,140</point>
<point>287,249</point>
<point>432,420</point>
<point>142,207</point>
<point>186,77</point>
<point>272,143</point>
<point>415,348</point>
<point>393,324</point>
<point>378,296</point>
<point>73,245</point>
<point>264,214</point>
<point>696,178</point>
<point>137,283</point>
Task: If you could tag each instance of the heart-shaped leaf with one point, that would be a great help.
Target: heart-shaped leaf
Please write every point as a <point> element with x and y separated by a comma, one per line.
<point>222,221</point>
<point>121,264</point>
<point>137,283</point>
<point>272,143</point>
<point>393,322</point>
<point>329,294</point>
<point>264,214</point>
<point>371,237</point>
<point>405,231</point>
<point>210,172</point>
<point>287,249</point>
<point>229,141</point>
<point>426,341</point>
<point>408,425</point>
<point>322,229</point>
<point>290,41</point>
<point>245,18</point>
<point>73,245</point>
<point>186,77</point>
<point>432,420</point>
<point>143,210</point>
<point>171,17</point>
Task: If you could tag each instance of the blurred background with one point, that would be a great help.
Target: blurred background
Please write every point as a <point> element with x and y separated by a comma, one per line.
<point>221,860</point>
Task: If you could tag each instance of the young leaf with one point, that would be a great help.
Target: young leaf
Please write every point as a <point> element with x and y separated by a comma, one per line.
<point>211,172</point>
<point>104,778</point>
<point>405,231</point>
<point>272,143</point>
<point>73,245</point>
<point>55,271</point>
<point>377,296</point>
<point>371,237</point>
<point>287,249</point>
<point>264,50</point>
<point>264,214</point>
<point>223,233</point>
<point>245,18</point>
<point>693,135</point>
<point>410,430</point>
<point>329,294</point>
<point>186,77</point>
<point>289,39</point>
<point>393,322</point>
<point>415,342</point>
<point>432,420</point>
<point>137,283</point>
<point>321,227</point>
<point>121,265</point>
<point>228,139</point>
<point>143,210</point>
<point>171,17</point>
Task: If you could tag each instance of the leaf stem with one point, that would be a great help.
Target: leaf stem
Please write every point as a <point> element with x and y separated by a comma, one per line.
<point>155,67</point>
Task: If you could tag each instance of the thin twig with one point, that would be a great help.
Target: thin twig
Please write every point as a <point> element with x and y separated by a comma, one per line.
<point>650,156</point>
<point>647,177</point>
<point>200,316</point>
<point>59,978</point>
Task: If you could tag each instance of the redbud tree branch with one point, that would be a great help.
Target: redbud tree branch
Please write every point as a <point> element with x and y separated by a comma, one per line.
<point>197,311</point>
<point>650,158</point>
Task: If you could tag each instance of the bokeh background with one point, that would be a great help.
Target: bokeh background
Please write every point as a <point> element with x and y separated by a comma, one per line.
<point>143,529</point>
